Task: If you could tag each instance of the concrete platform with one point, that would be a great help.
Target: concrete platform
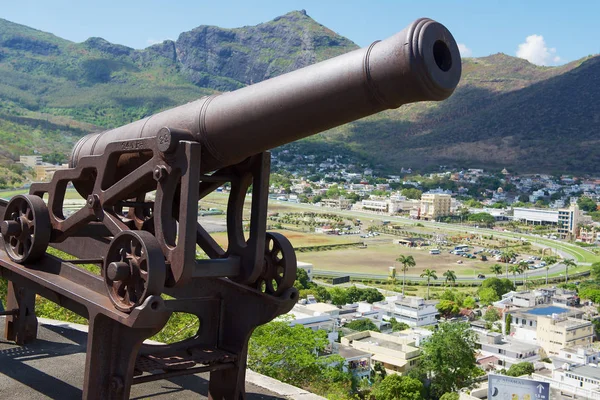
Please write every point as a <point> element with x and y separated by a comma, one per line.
<point>52,368</point>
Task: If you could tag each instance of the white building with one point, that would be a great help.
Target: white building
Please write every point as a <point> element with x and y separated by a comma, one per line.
<point>308,267</point>
<point>536,216</point>
<point>414,311</point>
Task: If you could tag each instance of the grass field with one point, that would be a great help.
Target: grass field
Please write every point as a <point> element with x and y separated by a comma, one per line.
<point>298,239</point>
<point>379,256</point>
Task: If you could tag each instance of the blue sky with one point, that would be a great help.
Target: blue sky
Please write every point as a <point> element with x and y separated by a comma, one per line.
<point>545,32</point>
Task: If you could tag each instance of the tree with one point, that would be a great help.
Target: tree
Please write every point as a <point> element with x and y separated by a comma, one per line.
<point>394,387</point>
<point>450,276</point>
<point>362,325</point>
<point>407,262</point>
<point>447,308</point>
<point>506,255</point>
<point>339,297</point>
<point>586,204</point>
<point>491,315</point>
<point>500,286</point>
<point>429,274</point>
<point>469,302</point>
<point>448,357</point>
<point>286,353</point>
<point>482,218</point>
<point>353,293</point>
<point>507,322</point>
<point>569,263</point>
<point>496,269</point>
<point>411,193</point>
<point>524,267</point>
<point>520,369</point>
<point>398,326</point>
<point>321,294</point>
<point>371,295</point>
<point>303,279</point>
<point>488,295</point>
<point>596,271</point>
<point>450,396</point>
<point>515,269</point>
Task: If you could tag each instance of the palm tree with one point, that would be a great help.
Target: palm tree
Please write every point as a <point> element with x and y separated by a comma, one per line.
<point>407,262</point>
<point>506,255</point>
<point>524,267</point>
<point>428,273</point>
<point>547,269</point>
<point>569,262</point>
<point>496,269</point>
<point>515,269</point>
<point>450,276</point>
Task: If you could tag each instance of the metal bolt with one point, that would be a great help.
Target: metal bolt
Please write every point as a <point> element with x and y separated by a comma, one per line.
<point>93,201</point>
<point>160,173</point>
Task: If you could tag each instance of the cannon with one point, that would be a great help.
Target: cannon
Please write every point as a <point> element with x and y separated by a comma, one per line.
<point>142,183</point>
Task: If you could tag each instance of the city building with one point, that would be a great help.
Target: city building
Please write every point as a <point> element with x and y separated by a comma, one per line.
<point>339,203</point>
<point>30,161</point>
<point>414,311</point>
<point>559,331</point>
<point>525,322</point>
<point>507,351</point>
<point>536,216</point>
<point>43,170</point>
<point>582,376</point>
<point>398,354</point>
<point>568,221</point>
<point>434,205</point>
<point>358,362</point>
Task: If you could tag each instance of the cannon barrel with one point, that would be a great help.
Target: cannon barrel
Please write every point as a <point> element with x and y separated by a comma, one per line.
<point>420,63</point>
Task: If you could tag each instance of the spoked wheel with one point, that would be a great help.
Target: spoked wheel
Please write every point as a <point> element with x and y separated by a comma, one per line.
<point>134,268</point>
<point>279,271</point>
<point>26,228</point>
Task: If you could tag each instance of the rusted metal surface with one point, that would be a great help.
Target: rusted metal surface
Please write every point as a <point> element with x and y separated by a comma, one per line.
<point>142,184</point>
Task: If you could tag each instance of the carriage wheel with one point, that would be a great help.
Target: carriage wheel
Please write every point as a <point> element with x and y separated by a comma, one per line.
<point>134,268</point>
<point>26,228</point>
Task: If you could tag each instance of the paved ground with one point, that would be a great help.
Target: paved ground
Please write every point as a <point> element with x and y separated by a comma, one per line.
<point>52,368</point>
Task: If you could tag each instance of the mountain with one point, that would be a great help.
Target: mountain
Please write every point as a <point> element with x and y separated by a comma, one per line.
<point>506,112</point>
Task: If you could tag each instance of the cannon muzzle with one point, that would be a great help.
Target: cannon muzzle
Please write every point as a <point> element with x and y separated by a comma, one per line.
<point>420,63</point>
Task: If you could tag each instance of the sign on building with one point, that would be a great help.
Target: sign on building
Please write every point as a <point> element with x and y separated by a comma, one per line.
<point>341,279</point>
<point>501,387</point>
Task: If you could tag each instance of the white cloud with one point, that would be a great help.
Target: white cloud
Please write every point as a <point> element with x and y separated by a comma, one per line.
<point>464,50</point>
<point>536,52</point>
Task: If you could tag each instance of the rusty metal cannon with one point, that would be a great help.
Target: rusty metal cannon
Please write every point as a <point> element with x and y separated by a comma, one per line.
<point>142,183</point>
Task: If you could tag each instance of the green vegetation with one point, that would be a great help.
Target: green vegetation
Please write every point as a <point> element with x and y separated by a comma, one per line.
<point>448,358</point>
<point>291,355</point>
<point>362,325</point>
<point>394,387</point>
<point>520,369</point>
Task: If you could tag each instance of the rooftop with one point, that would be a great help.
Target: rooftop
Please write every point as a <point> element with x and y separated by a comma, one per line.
<point>587,371</point>
<point>348,352</point>
<point>322,307</point>
<point>548,310</point>
<point>570,322</point>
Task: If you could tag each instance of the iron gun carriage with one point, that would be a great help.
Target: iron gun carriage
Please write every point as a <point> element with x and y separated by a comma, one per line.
<point>142,183</point>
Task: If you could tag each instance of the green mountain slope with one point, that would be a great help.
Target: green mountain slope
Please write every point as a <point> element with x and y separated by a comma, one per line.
<point>505,113</point>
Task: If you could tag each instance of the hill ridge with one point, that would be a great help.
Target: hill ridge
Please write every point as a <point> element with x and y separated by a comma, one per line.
<point>506,111</point>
